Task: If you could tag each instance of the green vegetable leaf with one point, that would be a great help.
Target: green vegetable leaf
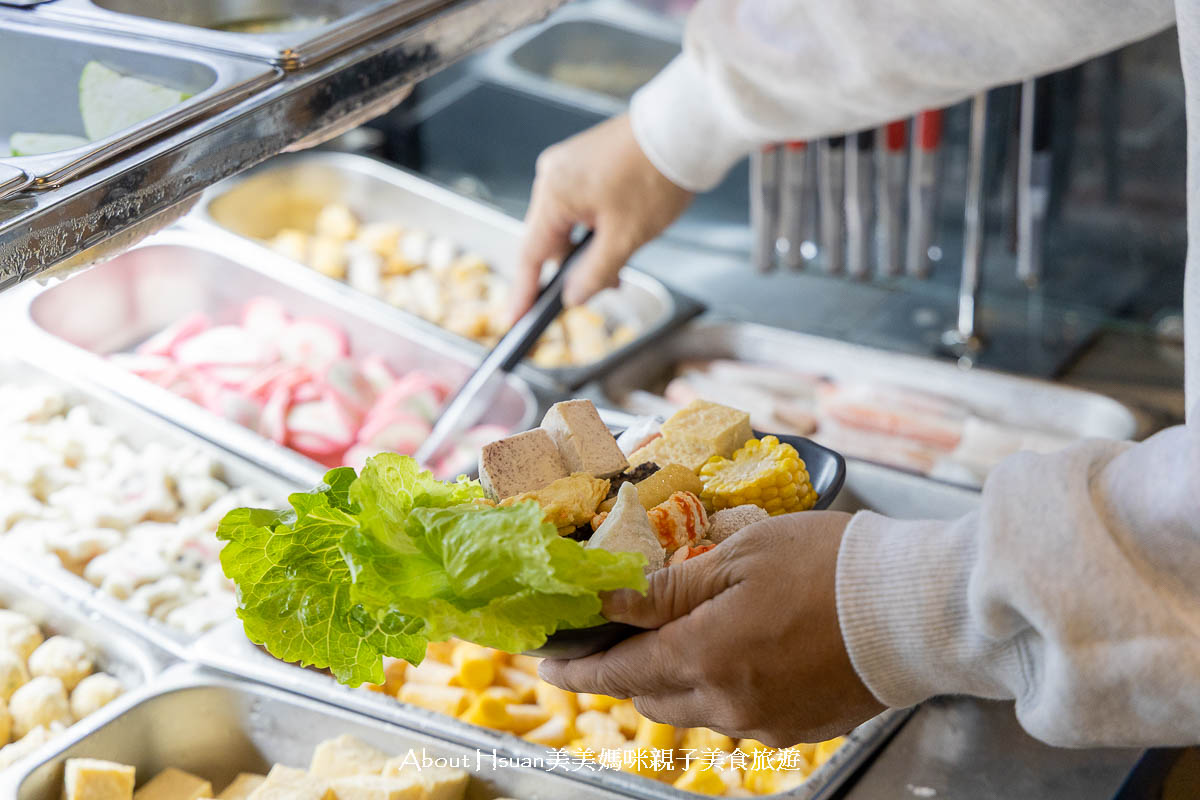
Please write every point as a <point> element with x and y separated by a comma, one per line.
<point>384,562</point>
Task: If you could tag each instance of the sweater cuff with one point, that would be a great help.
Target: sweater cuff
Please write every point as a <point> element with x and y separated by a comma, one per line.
<point>903,606</point>
<point>676,123</point>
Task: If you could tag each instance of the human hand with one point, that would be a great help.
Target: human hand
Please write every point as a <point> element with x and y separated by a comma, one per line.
<point>744,639</point>
<point>602,179</point>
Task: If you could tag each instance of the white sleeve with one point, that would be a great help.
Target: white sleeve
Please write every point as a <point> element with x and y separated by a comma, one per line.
<point>758,71</point>
<point>1075,590</point>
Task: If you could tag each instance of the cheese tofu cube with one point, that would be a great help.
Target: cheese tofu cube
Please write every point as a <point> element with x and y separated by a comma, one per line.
<point>438,783</point>
<point>583,440</point>
<point>523,463</point>
<point>289,783</point>
<point>722,428</point>
<point>242,786</point>
<point>346,756</point>
<point>93,779</point>
<point>377,787</point>
<point>174,784</point>
<point>682,451</point>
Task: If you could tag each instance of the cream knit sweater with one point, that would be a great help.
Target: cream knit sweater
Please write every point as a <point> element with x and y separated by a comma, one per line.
<point>1075,589</point>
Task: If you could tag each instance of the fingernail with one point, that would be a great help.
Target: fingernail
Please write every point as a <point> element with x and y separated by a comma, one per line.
<point>546,670</point>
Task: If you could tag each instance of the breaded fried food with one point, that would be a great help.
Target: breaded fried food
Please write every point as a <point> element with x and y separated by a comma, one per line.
<point>567,502</point>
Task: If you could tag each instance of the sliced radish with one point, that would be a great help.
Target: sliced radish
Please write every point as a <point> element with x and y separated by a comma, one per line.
<point>267,379</point>
<point>350,385</point>
<point>232,405</point>
<point>231,376</point>
<point>165,341</point>
<point>376,371</point>
<point>357,456</point>
<point>224,345</point>
<point>401,434</point>
<point>318,420</point>
<point>265,317</point>
<point>273,423</point>
<point>313,343</point>
<point>147,366</point>
<point>309,391</point>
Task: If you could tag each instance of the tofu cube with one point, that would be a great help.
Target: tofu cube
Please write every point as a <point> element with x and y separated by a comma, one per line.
<point>289,783</point>
<point>438,783</point>
<point>93,779</point>
<point>242,786</point>
<point>583,440</point>
<point>346,756</point>
<point>523,463</point>
<point>174,784</point>
<point>377,787</point>
<point>680,451</point>
<point>722,428</point>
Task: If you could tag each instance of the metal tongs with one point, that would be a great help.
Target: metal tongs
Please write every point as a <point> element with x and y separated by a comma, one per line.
<point>476,395</point>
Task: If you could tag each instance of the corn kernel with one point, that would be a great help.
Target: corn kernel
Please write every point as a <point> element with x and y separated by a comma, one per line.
<point>488,711</point>
<point>826,749</point>
<point>474,667</point>
<point>451,700</point>
<point>595,702</point>
<point>655,734</point>
<point>556,700</point>
<point>554,732</point>
<point>701,779</point>
<point>703,739</point>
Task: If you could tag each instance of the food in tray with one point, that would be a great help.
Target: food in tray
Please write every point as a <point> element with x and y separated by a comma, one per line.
<point>136,521</point>
<point>109,101</point>
<point>419,561</point>
<point>492,689</point>
<point>47,683</point>
<point>896,426</point>
<point>430,276</point>
<point>344,768</point>
<point>295,381</point>
<point>290,24</point>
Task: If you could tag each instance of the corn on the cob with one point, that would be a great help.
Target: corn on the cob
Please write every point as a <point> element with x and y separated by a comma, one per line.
<point>765,473</point>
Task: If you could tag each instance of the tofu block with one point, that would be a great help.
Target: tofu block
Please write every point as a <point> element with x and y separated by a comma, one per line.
<point>568,502</point>
<point>346,756</point>
<point>721,428</point>
<point>658,487</point>
<point>627,529</point>
<point>289,783</point>
<point>583,440</point>
<point>242,786</point>
<point>680,451</point>
<point>377,787</point>
<point>93,779</point>
<point>439,783</point>
<point>174,784</point>
<point>523,463</point>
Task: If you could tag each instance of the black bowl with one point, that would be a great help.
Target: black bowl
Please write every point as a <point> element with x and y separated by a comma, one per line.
<point>826,470</point>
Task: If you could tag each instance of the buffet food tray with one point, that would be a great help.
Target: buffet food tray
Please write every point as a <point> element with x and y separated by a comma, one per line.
<point>1007,399</point>
<point>335,24</point>
<point>118,654</point>
<point>251,206</point>
<point>226,649</point>
<point>217,727</point>
<point>50,104</point>
<point>178,272</point>
<point>591,35</point>
<point>138,427</point>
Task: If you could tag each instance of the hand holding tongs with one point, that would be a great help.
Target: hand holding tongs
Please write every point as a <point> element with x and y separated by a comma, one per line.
<point>473,398</point>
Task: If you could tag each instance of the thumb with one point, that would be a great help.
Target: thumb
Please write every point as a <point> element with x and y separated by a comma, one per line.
<point>547,238</point>
<point>674,591</point>
<point>599,265</point>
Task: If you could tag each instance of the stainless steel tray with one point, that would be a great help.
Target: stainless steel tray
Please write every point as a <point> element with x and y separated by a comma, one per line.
<point>250,207</point>
<point>1005,398</point>
<point>337,24</point>
<point>50,104</point>
<point>117,653</point>
<point>138,427</point>
<point>226,649</point>
<point>178,272</point>
<point>217,727</point>
<point>595,33</point>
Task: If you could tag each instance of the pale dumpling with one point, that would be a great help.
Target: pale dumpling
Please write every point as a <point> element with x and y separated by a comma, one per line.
<point>42,701</point>
<point>93,693</point>
<point>13,674</point>
<point>627,529</point>
<point>64,658</point>
<point>5,724</point>
<point>19,633</point>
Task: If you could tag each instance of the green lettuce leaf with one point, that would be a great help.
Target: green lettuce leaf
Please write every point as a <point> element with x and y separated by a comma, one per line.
<point>382,563</point>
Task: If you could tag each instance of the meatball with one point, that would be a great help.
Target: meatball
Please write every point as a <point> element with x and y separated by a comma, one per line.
<point>64,658</point>
<point>19,633</point>
<point>93,693</point>
<point>13,673</point>
<point>41,702</point>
